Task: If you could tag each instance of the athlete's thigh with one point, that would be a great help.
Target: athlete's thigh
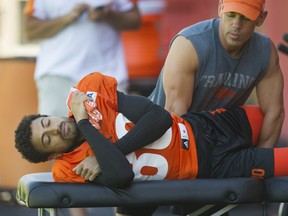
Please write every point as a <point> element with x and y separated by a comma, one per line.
<point>257,162</point>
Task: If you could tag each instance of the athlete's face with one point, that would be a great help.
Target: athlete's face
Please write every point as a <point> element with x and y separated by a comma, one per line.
<point>54,135</point>
<point>234,30</point>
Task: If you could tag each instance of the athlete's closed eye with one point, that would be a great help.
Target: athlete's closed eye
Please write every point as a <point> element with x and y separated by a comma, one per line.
<point>46,140</point>
<point>45,122</point>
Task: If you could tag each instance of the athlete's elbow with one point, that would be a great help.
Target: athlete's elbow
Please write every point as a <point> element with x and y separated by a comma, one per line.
<point>125,182</point>
<point>167,119</point>
<point>120,182</point>
<point>164,116</point>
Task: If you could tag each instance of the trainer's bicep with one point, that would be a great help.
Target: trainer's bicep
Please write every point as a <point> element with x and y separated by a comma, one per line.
<point>179,72</point>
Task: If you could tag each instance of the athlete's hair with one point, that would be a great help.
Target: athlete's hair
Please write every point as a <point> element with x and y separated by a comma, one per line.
<point>23,140</point>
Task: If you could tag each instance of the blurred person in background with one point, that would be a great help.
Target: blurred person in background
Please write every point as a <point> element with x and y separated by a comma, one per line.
<point>77,37</point>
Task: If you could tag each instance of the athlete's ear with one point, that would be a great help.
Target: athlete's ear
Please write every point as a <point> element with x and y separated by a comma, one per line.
<point>54,156</point>
<point>261,18</point>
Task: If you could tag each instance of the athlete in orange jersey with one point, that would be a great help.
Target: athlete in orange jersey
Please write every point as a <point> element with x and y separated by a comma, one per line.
<point>134,139</point>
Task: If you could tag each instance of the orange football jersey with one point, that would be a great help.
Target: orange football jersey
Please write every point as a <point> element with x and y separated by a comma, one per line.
<point>173,156</point>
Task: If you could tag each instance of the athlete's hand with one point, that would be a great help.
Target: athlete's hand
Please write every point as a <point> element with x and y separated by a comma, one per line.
<point>77,105</point>
<point>88,169</point>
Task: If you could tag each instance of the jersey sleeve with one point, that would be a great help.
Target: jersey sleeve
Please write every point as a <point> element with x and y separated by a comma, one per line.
<point>100,83</point>
<point>62,169</point>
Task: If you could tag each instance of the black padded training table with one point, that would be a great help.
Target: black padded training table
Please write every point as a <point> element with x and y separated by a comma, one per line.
<point>38,190</point>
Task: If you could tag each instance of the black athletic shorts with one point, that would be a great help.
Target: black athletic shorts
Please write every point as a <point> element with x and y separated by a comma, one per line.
<point>224,145</point>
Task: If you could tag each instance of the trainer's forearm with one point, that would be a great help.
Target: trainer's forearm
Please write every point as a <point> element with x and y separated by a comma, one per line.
<point>271,129</point>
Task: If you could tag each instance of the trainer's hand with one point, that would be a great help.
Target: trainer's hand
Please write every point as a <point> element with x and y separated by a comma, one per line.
<point>88,168</point>
<point>77,105</point>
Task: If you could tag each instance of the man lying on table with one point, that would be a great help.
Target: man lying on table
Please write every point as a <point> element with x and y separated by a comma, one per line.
<point>114,139</point>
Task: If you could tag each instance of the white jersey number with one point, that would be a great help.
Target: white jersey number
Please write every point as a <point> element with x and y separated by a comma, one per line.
<point>155,161</point>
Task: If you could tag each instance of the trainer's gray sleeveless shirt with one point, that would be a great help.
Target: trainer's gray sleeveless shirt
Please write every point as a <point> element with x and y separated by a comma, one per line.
<point>221,81</point>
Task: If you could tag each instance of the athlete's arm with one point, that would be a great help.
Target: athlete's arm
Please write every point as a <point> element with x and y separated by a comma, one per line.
<point>36,29</point>
<point>151,122</point>
<point>179,73</point>
<point>270,99</point>
<point>116,171</point>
